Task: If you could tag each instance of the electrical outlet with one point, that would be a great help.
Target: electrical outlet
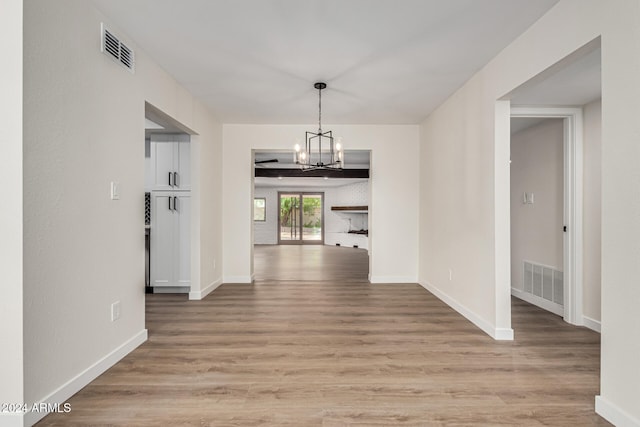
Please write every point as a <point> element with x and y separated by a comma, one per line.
<point>115,311</point>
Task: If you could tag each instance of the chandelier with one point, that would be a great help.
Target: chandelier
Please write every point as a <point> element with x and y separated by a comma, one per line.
<point>320,151</point>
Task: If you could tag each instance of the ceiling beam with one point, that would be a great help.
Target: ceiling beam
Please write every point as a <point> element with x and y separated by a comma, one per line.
<point>313,173</point>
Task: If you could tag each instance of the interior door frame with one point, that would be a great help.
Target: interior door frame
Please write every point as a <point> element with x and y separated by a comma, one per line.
<point>301,195</point>
<point>573,203</point>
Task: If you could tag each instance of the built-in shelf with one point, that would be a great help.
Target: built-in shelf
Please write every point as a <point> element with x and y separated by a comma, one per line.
<point>351,209</point>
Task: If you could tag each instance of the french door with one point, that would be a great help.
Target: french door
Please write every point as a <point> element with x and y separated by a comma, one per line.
<point>300,218</point>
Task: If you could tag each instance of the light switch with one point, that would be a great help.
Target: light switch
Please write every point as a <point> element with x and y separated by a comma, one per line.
<point>115,190</point>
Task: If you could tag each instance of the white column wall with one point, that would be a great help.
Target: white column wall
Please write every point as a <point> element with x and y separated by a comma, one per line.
<point>11,223</point>
<point>393,204</point>
<point>460,226</point>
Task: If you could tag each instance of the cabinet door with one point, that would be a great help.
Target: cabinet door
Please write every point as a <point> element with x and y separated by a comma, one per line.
<point>182,165</point>
<point>162,240</point>
<point>162,154</point>
<point>183,240</point>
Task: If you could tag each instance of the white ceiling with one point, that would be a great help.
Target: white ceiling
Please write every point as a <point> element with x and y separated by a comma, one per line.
<point>385,61</point>
<point>576,83</point>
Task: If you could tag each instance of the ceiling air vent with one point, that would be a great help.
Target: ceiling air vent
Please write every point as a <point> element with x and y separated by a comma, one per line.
<point>112,46</point>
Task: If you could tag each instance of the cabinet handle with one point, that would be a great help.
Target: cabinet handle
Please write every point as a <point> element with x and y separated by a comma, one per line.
<point>175,179</point>
<point>175,203</point>
<point>170,203</point>
<point>170,180</point>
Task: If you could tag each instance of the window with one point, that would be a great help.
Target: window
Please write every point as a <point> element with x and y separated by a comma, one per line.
<point>259,209</point>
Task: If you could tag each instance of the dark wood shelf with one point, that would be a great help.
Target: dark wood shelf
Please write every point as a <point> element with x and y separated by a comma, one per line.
<point>350,208</point>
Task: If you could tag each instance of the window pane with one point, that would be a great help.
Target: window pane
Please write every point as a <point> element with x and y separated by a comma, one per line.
<point>259,209</point>
<point>312,217</point>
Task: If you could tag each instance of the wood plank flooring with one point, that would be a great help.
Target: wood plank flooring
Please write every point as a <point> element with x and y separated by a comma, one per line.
<point>341,353</point>
<point>310,262</point>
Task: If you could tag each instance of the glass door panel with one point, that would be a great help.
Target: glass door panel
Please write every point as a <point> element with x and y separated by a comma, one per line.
<point>300,218</point>
<point>289,220</point>
<point>312,217</point>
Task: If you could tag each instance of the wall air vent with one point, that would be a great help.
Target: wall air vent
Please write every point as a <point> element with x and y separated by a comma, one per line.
<point>116,49</point>
<point>544,282</point>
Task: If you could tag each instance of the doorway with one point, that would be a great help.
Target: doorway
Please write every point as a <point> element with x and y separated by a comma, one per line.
<point>300,218</point>
<point>571,276</point>
<point>538,211</point>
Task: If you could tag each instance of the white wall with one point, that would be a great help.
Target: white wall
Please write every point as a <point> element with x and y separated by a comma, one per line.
<point>394,182</point>
<point>11,311</point>
<point>537,167</point>
<point>356,194</point>
<point>266,232</point>
<point>592,117</point>
<point>83,128</point>
<point>465,193</point>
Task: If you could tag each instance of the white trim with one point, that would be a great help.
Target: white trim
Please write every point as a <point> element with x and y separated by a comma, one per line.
<point>592,324</point>
<point>237,279</point>
<point>198,295</point>
<point>537,301</point>
<point>614,414</point>
<point>12,419</point>
<point>75,384</point>
<point>573,202</point>
<point>502,334</point>
<point>393,279</point>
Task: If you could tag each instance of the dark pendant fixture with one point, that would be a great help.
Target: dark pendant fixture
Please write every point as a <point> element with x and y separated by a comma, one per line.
<point>320,151</point>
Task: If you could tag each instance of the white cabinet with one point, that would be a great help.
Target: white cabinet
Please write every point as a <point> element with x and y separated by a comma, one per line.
<point>346,239</point>
<point>170,162</point>
<point>170,239</point>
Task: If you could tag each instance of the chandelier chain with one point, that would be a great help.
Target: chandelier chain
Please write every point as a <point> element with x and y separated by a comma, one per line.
<point>319,110</point>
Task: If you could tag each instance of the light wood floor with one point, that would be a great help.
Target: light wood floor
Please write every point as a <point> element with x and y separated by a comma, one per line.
<point>310,262</point>
<point>340,353</point>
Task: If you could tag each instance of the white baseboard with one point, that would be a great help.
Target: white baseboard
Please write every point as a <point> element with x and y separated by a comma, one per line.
<point>237,279</point>
<point>74,385</point>
<point>393,279</point>
<point>539,302</point>
<point>592,324</point>
<point>614,414</point>
<point>198,295</point>
<point>502,334</point>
